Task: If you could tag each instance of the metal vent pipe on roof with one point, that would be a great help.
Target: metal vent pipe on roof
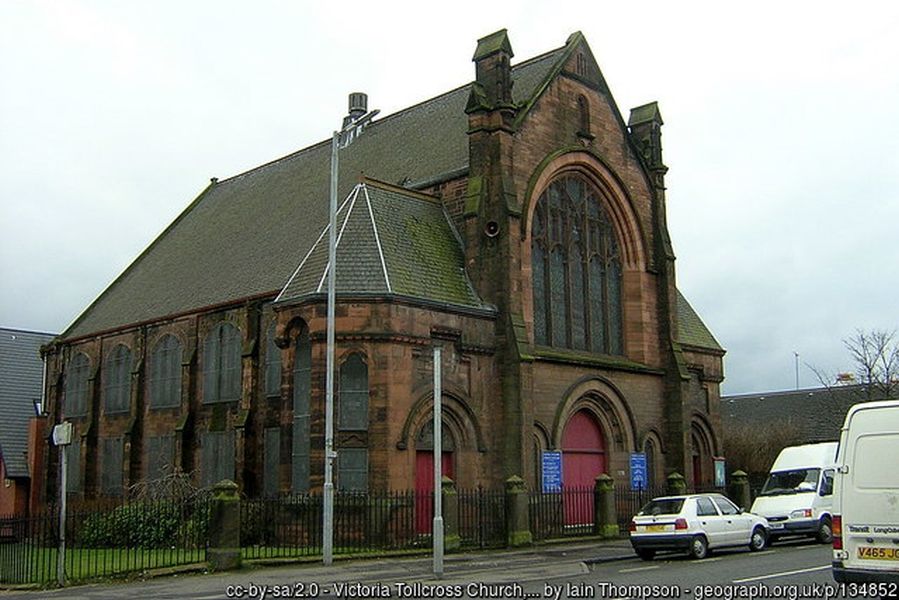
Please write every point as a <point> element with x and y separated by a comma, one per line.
<point>358,104</point>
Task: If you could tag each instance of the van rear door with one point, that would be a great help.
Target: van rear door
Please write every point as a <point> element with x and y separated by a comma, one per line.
<point>869,494</point>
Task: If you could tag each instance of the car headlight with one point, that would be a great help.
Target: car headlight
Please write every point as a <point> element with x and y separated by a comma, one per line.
<point>805,513</point>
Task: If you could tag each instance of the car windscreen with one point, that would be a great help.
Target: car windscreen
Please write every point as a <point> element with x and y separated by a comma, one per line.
<point>794,481</point>
<point>664,506</point>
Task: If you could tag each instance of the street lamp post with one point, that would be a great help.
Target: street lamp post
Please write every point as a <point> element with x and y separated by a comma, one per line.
<point>438,464</point>
<point>353,127</point>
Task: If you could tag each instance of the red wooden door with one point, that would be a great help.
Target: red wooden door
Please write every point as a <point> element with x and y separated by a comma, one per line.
<point>583,458</point>
<point>424,486</point>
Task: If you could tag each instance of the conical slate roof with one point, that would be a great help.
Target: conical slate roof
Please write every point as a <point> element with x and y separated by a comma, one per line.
<point>390,241</point>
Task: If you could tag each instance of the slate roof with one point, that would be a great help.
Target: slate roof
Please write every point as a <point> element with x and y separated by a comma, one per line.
<point>21,373</point>
<point>391,242</point>
<point>818,413</point>
<point>244,236</point>
<point>690,328</point>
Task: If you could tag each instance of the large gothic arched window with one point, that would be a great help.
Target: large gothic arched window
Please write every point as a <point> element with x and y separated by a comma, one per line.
<point>576,270</point>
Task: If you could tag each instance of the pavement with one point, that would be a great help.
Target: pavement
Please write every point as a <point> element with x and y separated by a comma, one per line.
<point>571,558</point>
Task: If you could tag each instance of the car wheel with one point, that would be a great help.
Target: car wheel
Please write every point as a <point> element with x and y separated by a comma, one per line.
<point>825,532</point>
<point>758,540</point>
<point>646,554</point>
<point>699,547</point>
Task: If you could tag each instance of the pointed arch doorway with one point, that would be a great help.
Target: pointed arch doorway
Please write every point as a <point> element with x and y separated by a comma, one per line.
<point>583,458</point>
<point>424,472</point>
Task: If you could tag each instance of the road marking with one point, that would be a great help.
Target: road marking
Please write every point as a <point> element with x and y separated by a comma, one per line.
<point>762,553</point>
<point>634,570</point>
<point>783,574</point>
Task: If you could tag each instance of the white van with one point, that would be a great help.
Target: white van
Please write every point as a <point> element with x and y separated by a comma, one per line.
<point>866,498</point>
<point>798,494</point>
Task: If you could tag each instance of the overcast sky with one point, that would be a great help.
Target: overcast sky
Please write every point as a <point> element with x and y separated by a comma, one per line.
<point>781,134</point>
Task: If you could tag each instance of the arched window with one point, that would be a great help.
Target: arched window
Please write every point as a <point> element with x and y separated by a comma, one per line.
<point>221,364</point>
<point>302,391</point>
<point>353,407</point>
<point>272,364</point>
<point>165,373</point>
<point>576,270</point>
<point>117,380</point>
<point>76,386</point>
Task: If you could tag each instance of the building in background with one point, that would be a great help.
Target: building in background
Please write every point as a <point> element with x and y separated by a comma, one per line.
<point>814,414</point>
<point>518,220</point>
<point>21,432</point>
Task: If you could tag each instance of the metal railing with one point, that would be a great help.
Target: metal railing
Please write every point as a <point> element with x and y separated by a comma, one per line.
<point>104,540</point>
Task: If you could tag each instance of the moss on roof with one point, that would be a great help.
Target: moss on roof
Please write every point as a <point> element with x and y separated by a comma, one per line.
<point>391,241</point>
<point>244,236</point>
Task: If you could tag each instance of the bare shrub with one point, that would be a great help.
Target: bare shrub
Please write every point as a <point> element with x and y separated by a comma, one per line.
<point>753,448</point>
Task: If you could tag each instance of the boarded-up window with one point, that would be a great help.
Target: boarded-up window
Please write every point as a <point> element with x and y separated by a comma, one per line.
<point>272,458</point>
<point>165,373</point>
<point>73,466</point>
<point>111,469</point>
<point>160,451</point>
<point>272,364</point>
<point>352,469</point>
<point>76,386</point>
<point>302,390</point>
<point>353,407</point>
<point>216,457</point>
<point>117,380</point>
<point>221,364</point>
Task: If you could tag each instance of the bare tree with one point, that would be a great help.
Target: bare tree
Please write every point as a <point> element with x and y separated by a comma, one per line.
<point>875,355</point>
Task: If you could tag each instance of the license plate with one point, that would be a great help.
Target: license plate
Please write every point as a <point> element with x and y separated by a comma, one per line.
<point>873,553</point>
<point>655,528</point>
<point>776,525</point>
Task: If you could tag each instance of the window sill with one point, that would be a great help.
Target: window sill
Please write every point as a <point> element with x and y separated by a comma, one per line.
<point>565,356</point>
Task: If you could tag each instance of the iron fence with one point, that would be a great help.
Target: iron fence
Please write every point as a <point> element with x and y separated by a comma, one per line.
<point>104,540</point>
<point>482,518</point>
<point>564,513</point>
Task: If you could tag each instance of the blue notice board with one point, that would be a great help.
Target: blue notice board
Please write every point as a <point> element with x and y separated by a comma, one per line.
<point>638,471</point>
<point>552,471</point>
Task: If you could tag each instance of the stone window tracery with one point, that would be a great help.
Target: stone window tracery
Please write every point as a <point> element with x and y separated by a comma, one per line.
<point>576,266</point>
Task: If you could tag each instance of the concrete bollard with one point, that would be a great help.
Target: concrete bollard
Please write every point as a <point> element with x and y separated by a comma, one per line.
<point>224,527</point>
<point>451,539</point>
<point>605,513</point>
<point>518,532</point>
<point>677,486</point>
<point>739,489</point>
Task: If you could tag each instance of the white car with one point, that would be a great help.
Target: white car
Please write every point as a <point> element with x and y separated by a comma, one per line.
<point>695,524</point>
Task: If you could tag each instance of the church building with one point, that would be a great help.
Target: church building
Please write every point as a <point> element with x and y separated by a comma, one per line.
<point>518,221</point>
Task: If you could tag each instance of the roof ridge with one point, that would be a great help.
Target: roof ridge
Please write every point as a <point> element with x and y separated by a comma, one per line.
<point>392,115</point>
<point>374,228</point>
<point>392,187</point>
<point>20,330</point>
<point>346,219</point>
